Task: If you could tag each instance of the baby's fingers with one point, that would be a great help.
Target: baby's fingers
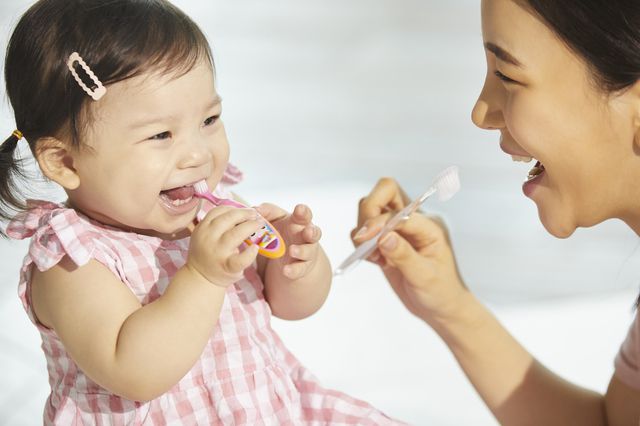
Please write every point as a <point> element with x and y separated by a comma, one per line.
<point>303,251</point>
<point>311,234</point>
<point>302,215</point>
<point>239,262</point>
<point>226,218</point>
<point>236,235</point>
<point>296,270</point>
<point>271,212</point>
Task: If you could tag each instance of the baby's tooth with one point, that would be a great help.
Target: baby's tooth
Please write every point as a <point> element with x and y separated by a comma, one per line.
<point>522,158</point>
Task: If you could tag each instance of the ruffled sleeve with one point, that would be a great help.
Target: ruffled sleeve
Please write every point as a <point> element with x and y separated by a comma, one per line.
<point>232,176</point>
<point>55,231</point>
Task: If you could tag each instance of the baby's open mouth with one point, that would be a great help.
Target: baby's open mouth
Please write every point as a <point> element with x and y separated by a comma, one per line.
<point>178,196</point>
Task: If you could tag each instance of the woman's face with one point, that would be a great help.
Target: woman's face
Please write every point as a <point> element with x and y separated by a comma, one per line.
<point>544,102</point>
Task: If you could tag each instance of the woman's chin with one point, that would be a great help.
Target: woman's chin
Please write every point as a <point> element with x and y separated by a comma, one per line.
<point>556,225</point>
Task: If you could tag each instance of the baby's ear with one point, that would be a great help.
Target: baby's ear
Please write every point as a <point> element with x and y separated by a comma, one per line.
<point>56,160</point>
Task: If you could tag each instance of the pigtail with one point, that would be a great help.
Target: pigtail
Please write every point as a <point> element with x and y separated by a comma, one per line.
<point>11,171</point>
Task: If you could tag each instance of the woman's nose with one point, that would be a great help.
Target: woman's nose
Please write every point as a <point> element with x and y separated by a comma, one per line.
<point>487,112</point>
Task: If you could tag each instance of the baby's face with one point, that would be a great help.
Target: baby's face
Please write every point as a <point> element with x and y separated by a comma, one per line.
<point>151,138</point>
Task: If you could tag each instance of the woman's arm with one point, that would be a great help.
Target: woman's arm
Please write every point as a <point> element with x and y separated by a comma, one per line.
<point>420,265</point>
<point>516,388</point>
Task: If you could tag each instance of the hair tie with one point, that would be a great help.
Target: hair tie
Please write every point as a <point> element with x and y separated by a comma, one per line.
<point>18,134</point>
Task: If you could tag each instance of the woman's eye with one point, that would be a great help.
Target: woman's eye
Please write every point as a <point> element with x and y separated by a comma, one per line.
<point>211,120</point>
<point>161,136</point>
<point>504,77</point>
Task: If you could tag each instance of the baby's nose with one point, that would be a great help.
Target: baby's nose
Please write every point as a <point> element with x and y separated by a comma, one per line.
<point>195,154</point>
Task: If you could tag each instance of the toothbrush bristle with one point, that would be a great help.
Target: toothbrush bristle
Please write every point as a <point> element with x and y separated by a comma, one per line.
<point>201,187</point>
<point>447,183</point>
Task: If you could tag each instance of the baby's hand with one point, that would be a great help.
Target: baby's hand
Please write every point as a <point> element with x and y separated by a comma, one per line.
<point>300,235</point>
<point>214,249</point>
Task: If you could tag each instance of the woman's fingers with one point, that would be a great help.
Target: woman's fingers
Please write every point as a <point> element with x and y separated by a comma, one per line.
<point>369,228</point>
<point>385,196</point>
<point>400,254</point>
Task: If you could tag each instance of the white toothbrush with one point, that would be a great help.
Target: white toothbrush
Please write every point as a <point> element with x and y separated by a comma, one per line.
<point>446,185</point>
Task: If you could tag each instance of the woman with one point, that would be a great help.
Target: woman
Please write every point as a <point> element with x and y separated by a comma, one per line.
<point>563,90</point>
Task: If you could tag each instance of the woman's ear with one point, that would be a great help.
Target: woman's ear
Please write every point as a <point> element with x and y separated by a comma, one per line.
<point>56,160</point>
<point>634,92</point>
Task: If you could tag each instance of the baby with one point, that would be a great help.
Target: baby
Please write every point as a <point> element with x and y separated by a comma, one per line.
<point>151,308</point>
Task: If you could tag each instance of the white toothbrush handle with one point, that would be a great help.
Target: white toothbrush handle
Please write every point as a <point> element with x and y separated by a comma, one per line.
<point>362,252</point>
<point>365,249</point>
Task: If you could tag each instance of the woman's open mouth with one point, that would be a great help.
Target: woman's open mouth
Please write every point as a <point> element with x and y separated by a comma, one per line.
<point>537,169</point>
<point>533,177</point>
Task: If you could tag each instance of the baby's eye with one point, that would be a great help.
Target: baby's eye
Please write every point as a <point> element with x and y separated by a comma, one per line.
<point>161,136</point>
<point>211,120</point>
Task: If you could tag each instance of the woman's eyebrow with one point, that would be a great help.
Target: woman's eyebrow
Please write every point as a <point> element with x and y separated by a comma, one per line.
<point>502,54</point>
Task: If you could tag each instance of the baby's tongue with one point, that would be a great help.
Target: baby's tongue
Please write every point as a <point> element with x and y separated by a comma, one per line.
<point>179,193</point>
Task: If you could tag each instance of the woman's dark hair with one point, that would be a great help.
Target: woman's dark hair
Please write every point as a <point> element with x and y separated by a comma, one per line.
<point>604,33</point>
<point>118,39</point>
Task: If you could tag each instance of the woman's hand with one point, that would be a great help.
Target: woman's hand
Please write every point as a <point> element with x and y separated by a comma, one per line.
<point>214,248</point>
<point>417,258</point>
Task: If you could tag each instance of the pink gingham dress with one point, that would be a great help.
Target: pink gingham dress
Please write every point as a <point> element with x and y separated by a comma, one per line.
<point>245,375</point>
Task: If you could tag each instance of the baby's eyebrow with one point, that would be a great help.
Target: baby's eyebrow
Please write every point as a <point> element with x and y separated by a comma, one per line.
<point>502,54</point>
<point>147,121</point>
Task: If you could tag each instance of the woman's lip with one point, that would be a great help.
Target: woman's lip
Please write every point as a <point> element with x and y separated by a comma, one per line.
<point>529,186</point>
<point>508,150</point>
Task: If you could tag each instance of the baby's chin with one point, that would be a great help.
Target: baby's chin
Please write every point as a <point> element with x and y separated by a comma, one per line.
<point>173,231</point>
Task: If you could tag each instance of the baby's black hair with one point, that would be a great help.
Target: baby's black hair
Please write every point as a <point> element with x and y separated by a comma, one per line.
<point>118,39</point>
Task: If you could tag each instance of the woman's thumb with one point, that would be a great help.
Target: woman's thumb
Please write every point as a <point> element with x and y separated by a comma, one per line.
<point>400,254</point>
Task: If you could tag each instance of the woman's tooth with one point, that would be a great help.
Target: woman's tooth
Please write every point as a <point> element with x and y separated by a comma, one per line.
<point>521,158</point>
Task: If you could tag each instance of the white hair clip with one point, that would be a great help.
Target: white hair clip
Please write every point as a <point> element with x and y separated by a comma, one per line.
<point>95,93</point>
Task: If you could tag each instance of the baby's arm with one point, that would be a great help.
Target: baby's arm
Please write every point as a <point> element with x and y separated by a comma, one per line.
<point>140,352</point>
<point>298,284</point>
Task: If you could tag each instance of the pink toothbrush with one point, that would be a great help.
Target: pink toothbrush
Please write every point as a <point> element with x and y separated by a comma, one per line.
<point>269,241</point>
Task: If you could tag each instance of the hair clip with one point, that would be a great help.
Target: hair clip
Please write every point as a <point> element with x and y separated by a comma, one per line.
<point>97,92</point>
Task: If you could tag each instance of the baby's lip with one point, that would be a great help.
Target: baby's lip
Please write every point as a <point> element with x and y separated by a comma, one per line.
<point>180,192</point>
